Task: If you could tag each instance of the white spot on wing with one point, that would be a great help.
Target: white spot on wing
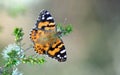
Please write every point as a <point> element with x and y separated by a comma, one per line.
<point>47,13</point>
<point>43,17</point>
<point>49,18</point>
<point>62,51</point>
<point>58,55</point>
<point>65,56</point>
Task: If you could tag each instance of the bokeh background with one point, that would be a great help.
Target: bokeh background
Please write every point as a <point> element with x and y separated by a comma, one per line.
<point>93,48</point>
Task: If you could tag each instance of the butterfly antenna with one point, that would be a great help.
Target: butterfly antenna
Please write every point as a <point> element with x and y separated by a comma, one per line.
<point>64,21</point>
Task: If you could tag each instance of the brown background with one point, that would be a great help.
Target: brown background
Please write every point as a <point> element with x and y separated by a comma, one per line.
<point>92,47</point>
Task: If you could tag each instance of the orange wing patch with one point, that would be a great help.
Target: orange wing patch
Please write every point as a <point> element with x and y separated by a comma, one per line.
<point>41,24</point>
<point>43,40</point>
<point>41,48</point>
<point>55,47</point>
<point>36,34</point>
<point>46,25</point>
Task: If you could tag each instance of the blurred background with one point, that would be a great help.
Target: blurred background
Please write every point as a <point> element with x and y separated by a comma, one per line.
<point>93,48</point>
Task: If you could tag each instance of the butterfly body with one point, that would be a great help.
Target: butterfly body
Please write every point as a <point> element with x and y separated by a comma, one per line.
<point>45,38</point>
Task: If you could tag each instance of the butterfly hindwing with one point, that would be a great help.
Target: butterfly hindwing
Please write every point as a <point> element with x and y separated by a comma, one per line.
<point>45,39</point>
<point>57,51</point>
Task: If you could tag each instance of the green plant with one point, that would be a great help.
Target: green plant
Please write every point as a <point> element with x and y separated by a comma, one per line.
<point>64,30</point>
<point>14,55</point>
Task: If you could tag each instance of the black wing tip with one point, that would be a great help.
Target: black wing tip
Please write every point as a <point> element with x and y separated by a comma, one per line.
<point>62,60</point>
<point>45,16</point>
<point>44,12</point>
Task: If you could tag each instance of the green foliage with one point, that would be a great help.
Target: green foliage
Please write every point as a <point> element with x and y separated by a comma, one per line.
<point>14,55</point>
<point>33,60</point>
<point>13,59</point>
<point>64,30</point>
<point>68,29</point>
<point>7,71</point>
<point>18,33</point>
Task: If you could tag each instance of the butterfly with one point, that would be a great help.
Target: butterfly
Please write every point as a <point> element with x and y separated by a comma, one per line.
<point>46,39</point>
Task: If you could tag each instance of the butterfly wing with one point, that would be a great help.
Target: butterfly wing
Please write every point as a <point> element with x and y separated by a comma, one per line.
<point>44,40</point>
<point>57,50</point>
